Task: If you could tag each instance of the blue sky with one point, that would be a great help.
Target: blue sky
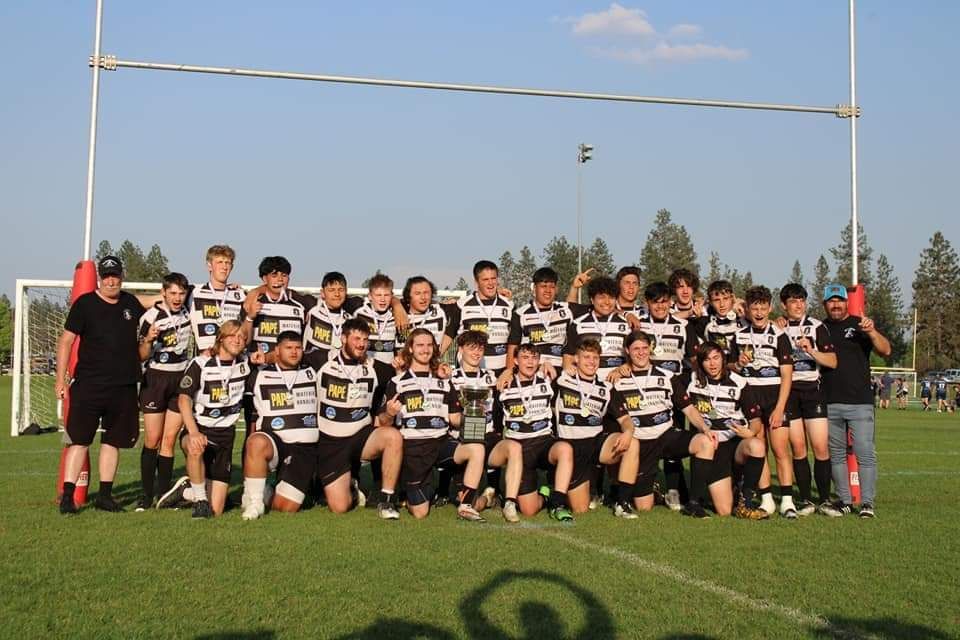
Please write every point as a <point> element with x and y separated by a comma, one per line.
<point>359,178</point>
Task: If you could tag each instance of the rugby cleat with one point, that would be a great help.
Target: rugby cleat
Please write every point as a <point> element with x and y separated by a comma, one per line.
<point>174,497</point>
<point>695,510</point>
<point>866,511</point>
<point>672,499</point>
<point>561,514</point>
<point>624,510</point>
<point>142,504</point>
<point>789,513</point>
<point>595,502</point>
<point>202,509</point>
<point>466,512</point>
<point>386,511</point>
<point>749,512</point>
<point>358,496</point>
<point>67,506</point>
<point>107,503</point>
<point>835,509</point>
<point>253,510</point>
<point>509,511</point>
<point>489,496</point>
<point>805,508</point>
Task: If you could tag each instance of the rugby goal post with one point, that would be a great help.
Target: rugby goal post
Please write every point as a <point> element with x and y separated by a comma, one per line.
<point>909,376</point>
<point>41,308</point>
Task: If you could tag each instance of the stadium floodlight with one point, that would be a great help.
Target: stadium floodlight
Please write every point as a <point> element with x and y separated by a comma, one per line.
<point>584,153</point>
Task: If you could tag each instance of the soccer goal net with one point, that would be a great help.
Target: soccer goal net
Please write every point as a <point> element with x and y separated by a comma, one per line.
<point>41,309</point>
<point>908,376</point>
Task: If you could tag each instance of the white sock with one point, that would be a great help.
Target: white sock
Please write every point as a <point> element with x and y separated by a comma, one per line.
<point>199,492</point>
<point>786,502</point>
<point>188,494</point>
<point>253,490</point>
<point>767,503</point>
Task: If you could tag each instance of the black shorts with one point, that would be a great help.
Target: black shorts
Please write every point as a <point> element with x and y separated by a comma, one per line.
<point>941,396</point>
<point>806,402</point>
<point>672,444</point>
<point>160,391</point>
<point>722,466</point>
<point>925,394</point>
<point>336,456</point>
<point>112,407</point>
<point>218,456</point>
<point>586,458</point>
<point>536,455</point>
<point>295,464</point>
<point>420,456</point>
<point>767,395</point>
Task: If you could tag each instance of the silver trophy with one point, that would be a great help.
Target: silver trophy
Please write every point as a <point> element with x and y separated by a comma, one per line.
<point>474,401</point>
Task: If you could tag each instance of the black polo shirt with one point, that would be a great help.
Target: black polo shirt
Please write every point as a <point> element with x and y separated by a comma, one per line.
<point>849,383</point>
<point>108,353</point>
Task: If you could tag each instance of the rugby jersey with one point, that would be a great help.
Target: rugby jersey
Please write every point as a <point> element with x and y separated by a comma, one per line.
<point>433,319</point>
<point>217,388</point>
<point>169,348</point>
<point>581,406</point>
<point>609,331</point>
<point>806,371</point>
<point>545,329</point>
<point>209,308</point>
<point>674,342</point>
<point>713,328</point>
<point>383,331</point>
<point>276,316</point>
<point>637,309</point>
<point>427,402</point>
<point>480,378</point>
<point>492,317</point>
<point>285,402</point>
<point>723,403</point>
<point>768,348</point>
<point>527,408</point>
<point>323,325</point>
<point>648,397</point>
<point>347,391</point>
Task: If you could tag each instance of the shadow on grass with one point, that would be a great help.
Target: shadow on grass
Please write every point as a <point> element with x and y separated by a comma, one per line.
<point>883,627</point>
<point>258,634</point>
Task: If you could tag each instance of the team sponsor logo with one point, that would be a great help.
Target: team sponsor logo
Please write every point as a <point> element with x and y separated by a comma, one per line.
<point>500,349</point>
<point>214,413</point>
<point>413,402</point>
<point>437,423</point>
<point>633,402</point>
<point>210,311</point>
<point>516,410</point>
<point>330,413</point>
<point>185,382</point>
<point>280,400</point>
<point>704,406</point>
<point>310,420</point>
<point>169,338</point>
<point>571,400</point>
<point>209,329</point>
<point>540,424</point>
<point>569,419</point>
<point>661,417</point>
<point>269,328</point>
<point>164,357</point>
<point>538,335</point>
<point>356,414</point>
<point>277,423</point>
<point>411,422</point>
<point>218,393</point>
<point>593,421</point>
<point>337,391</point>
<point>152,404</point>
<point>513,426</point>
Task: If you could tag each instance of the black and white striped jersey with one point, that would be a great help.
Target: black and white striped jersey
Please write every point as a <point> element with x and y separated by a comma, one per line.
<point>637,309</point>
<point>427,402</point>
<point>767,348</point>
<point>722,403</point>
<point>609,331</point>
<point>581,406</point>
<point>546,329</point>
<point>434,319</point>
<point>217,388</point>
<point>383,331</point>
<point>348,391</point>
<point>209,308</point>
<point>527,407</point>
<point>806,371</point>
<point>647,396</point>
<point>713,328</point>
<point>492,317</point>
<point>674,342</point>
<point>324,324</point>
<point>169,348</point>
<point>286,313</point>
<point>483,378</point>
<point>285,402</point>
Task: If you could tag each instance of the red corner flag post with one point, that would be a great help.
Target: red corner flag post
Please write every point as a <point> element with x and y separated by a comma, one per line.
<point>84,281</point>
<point>856,306</point>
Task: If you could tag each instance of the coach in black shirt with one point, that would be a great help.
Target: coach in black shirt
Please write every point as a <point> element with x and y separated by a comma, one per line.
<point>104,387</point>
<point>850,399</point>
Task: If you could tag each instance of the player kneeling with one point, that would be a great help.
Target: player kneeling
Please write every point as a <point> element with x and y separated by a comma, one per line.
<point>583,405</point>
<point>211,399</point>
<point>528,418</point>
<point>285,430</point>
<point>425,407</point>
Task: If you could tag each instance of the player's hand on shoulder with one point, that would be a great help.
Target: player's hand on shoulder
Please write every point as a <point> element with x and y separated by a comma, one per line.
<point>633,321</point>
<point>780,323</point>
<point>504,380</point>
<point>444,371</point>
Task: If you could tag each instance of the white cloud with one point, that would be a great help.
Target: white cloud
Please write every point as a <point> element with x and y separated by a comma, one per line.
<point>650,46</point>
<point>617,20</point>
<point>691,31</point>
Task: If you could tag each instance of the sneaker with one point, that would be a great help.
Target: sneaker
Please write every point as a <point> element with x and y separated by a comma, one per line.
<point>386,511</point>
<point>252,511</point>
<point>107,503</point>
<point>466,512</point>
<point>694,509</point>
<point>749,512</point>
<point>358,496</point>
<point>595,502</point>
<point>440,501</point>
<point>67,506</point>
<point>172,498</point>
<point>544,491</point>
<point>143,504</point>
<point>805,508</point>
<point>834,509</point>
<point>509,511</point>
<point>672,499</point>
<point>624,510</point>
<point>866,510</point>
<point>201,509</point>
<point>789,513</point>
<point>490,499</point>
<point>561,514</point>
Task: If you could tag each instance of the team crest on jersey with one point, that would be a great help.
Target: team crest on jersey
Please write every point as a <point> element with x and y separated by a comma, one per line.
<point>331,413</point>
<point>210,329</point>
<point>849,332</point>
<point>127,315</point>
<point>215,413</point>
<point>277,423</point>
<point>185,382</point>
<point>676,328</point>
<point>164,357</point>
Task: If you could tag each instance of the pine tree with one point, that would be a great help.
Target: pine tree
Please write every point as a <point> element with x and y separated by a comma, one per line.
<point>6,329</point>
<point>526,265</point>
<point>821,278</point>
<point>884,303</point>
<point>714,272</point>
<point>562,257</point>
<point>103,249</point>
<point>937,301</point>
<point>796,274</point>
<point>599,257</point>
<point>156,264</point>
<point>843,257</point>
<point>462,285</point>
<point>668,247</point>
<point>506,269</point>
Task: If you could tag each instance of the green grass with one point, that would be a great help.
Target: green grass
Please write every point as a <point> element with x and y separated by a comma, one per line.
<point>160,574</point>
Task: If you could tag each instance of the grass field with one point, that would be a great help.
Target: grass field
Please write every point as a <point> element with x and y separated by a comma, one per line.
<point>160,574</point>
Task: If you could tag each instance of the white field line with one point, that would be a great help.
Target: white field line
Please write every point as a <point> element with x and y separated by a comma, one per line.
<point>790,614</point>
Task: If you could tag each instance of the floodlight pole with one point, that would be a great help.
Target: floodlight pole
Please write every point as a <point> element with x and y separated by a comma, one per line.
<point>854,228</point>
<point>92,148</point>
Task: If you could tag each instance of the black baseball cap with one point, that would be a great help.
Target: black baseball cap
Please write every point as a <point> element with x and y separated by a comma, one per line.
<point>110,266</point>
